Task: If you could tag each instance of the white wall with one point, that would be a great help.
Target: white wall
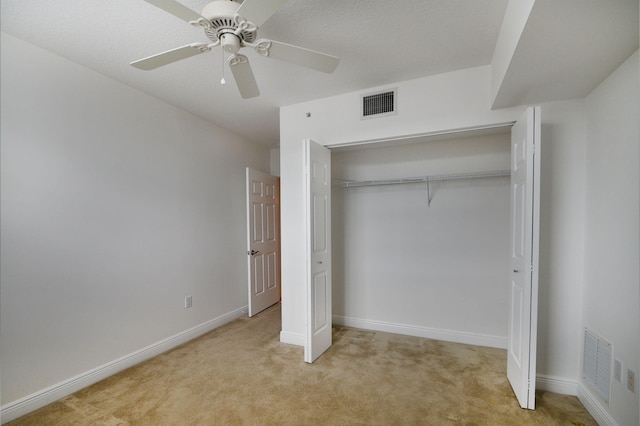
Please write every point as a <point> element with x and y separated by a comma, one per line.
<point>561,271</point>
<point>440,271</point>
<point>444,102</point>
<point>274,162</point>
<point>612,252</point>
<point>115,206</point>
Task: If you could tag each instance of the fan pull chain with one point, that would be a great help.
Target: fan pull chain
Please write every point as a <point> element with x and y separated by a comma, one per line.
<point>222,62</point>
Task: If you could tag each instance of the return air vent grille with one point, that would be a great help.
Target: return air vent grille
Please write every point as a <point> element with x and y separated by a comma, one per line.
<point>597,364</point>
<point>379,104</point>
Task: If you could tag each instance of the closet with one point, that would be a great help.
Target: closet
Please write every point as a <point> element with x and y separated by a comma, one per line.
<point>420,237</point>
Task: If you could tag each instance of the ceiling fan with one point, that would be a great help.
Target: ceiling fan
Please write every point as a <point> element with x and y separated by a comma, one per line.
<point>233,26</point>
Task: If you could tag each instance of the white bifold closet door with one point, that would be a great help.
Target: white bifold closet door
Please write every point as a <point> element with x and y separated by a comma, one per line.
<point>525,224</point>
<point>318,243</point>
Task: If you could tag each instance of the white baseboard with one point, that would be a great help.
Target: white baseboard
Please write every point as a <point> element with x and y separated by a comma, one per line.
<point>418,331</point>
<point>39,399</point>
<point>555,384</point>
<point>594,406</point>
<point>297,339</point>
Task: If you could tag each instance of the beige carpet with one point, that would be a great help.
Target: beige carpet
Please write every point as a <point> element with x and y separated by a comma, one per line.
<point>241,374</point>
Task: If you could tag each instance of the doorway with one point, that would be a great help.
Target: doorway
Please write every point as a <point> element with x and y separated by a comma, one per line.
<point>263,240</point>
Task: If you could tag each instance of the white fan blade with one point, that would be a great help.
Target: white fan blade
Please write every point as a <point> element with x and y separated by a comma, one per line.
<point>258,11</point>
<point>176,9</point>
<point>243,76</point>
<point>297,55</point>
<point>170,56</point>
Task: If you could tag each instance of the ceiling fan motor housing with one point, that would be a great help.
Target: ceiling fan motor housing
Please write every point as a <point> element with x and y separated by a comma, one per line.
<point>221,14</point>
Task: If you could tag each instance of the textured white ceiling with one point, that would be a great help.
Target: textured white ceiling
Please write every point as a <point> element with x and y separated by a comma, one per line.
<point>565,50</point>
<point>379,42</point>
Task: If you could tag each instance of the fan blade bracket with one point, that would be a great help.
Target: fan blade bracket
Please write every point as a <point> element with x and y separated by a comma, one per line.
<point>243,25</point>
<point>262,47</point>
<point>201,23</point>
<point>236,60</point>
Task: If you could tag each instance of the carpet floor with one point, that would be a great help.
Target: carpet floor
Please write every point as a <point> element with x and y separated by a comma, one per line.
<point>240,374</point>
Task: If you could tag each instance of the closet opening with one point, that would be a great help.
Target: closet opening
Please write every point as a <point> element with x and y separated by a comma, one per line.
<point>420,236</point>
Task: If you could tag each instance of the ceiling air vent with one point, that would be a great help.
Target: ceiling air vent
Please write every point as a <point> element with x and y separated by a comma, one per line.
<point>379,104</point>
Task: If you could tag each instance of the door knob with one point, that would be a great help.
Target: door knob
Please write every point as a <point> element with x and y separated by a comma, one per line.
<point>253,252</point>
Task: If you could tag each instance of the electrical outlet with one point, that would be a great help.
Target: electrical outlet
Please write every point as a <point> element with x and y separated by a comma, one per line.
<point>631,380</point>
<point>188,302</point>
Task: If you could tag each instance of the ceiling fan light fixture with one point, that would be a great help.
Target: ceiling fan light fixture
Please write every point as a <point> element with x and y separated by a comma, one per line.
<point>230,42</point>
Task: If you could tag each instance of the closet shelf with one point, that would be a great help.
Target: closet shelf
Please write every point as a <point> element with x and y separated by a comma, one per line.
<point>419,179</point>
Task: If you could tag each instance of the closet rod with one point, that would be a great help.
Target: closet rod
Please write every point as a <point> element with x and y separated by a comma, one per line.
<point>419,179</point>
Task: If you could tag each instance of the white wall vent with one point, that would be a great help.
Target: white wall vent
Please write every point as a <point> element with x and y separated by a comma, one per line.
<point>379,104</point>
<point>597,364</point>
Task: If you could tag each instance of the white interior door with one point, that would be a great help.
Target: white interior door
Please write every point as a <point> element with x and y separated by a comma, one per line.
<point>318,205</point>
<point>523,309</point>
<point>263,240</point>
